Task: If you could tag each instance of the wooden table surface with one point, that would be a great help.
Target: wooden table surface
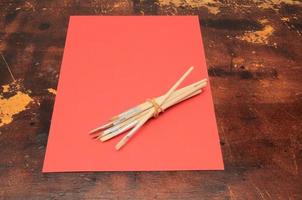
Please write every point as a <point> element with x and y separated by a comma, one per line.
<point>254,56</point>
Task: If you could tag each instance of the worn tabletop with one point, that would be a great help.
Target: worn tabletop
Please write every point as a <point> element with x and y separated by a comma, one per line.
<point>254,56</point>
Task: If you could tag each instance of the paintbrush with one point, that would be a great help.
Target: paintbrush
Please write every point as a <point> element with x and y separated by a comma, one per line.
<point>133,119</point>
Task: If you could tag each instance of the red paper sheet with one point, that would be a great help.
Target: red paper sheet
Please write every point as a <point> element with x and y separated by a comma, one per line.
<point>111,64</point>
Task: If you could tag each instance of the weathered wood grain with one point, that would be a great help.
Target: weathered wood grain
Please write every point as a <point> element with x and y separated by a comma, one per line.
<point>253,51</point>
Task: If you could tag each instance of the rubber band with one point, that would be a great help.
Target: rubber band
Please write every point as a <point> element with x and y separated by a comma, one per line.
<point>157,108</point>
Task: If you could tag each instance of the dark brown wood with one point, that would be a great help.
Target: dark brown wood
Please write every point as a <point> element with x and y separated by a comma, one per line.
<point>253,52</point>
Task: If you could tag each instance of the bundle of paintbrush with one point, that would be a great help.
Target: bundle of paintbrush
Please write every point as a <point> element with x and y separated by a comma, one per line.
<point>132,119</point>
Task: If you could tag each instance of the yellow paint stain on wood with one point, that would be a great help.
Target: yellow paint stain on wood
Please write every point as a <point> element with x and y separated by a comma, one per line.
<point>291,2</point>
<point>258,37</point>
<point>263,21</point>
<point>285,19</point>
<point>121,4</point>
<point>275,4</point>
<point>213,6</point>
<point>52,91</point>
<point>12,106</point>
<point>5,88</point>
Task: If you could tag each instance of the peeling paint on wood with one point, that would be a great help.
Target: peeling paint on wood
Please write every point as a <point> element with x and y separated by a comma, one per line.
<point>259,37</point>
<point>12,105</point>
